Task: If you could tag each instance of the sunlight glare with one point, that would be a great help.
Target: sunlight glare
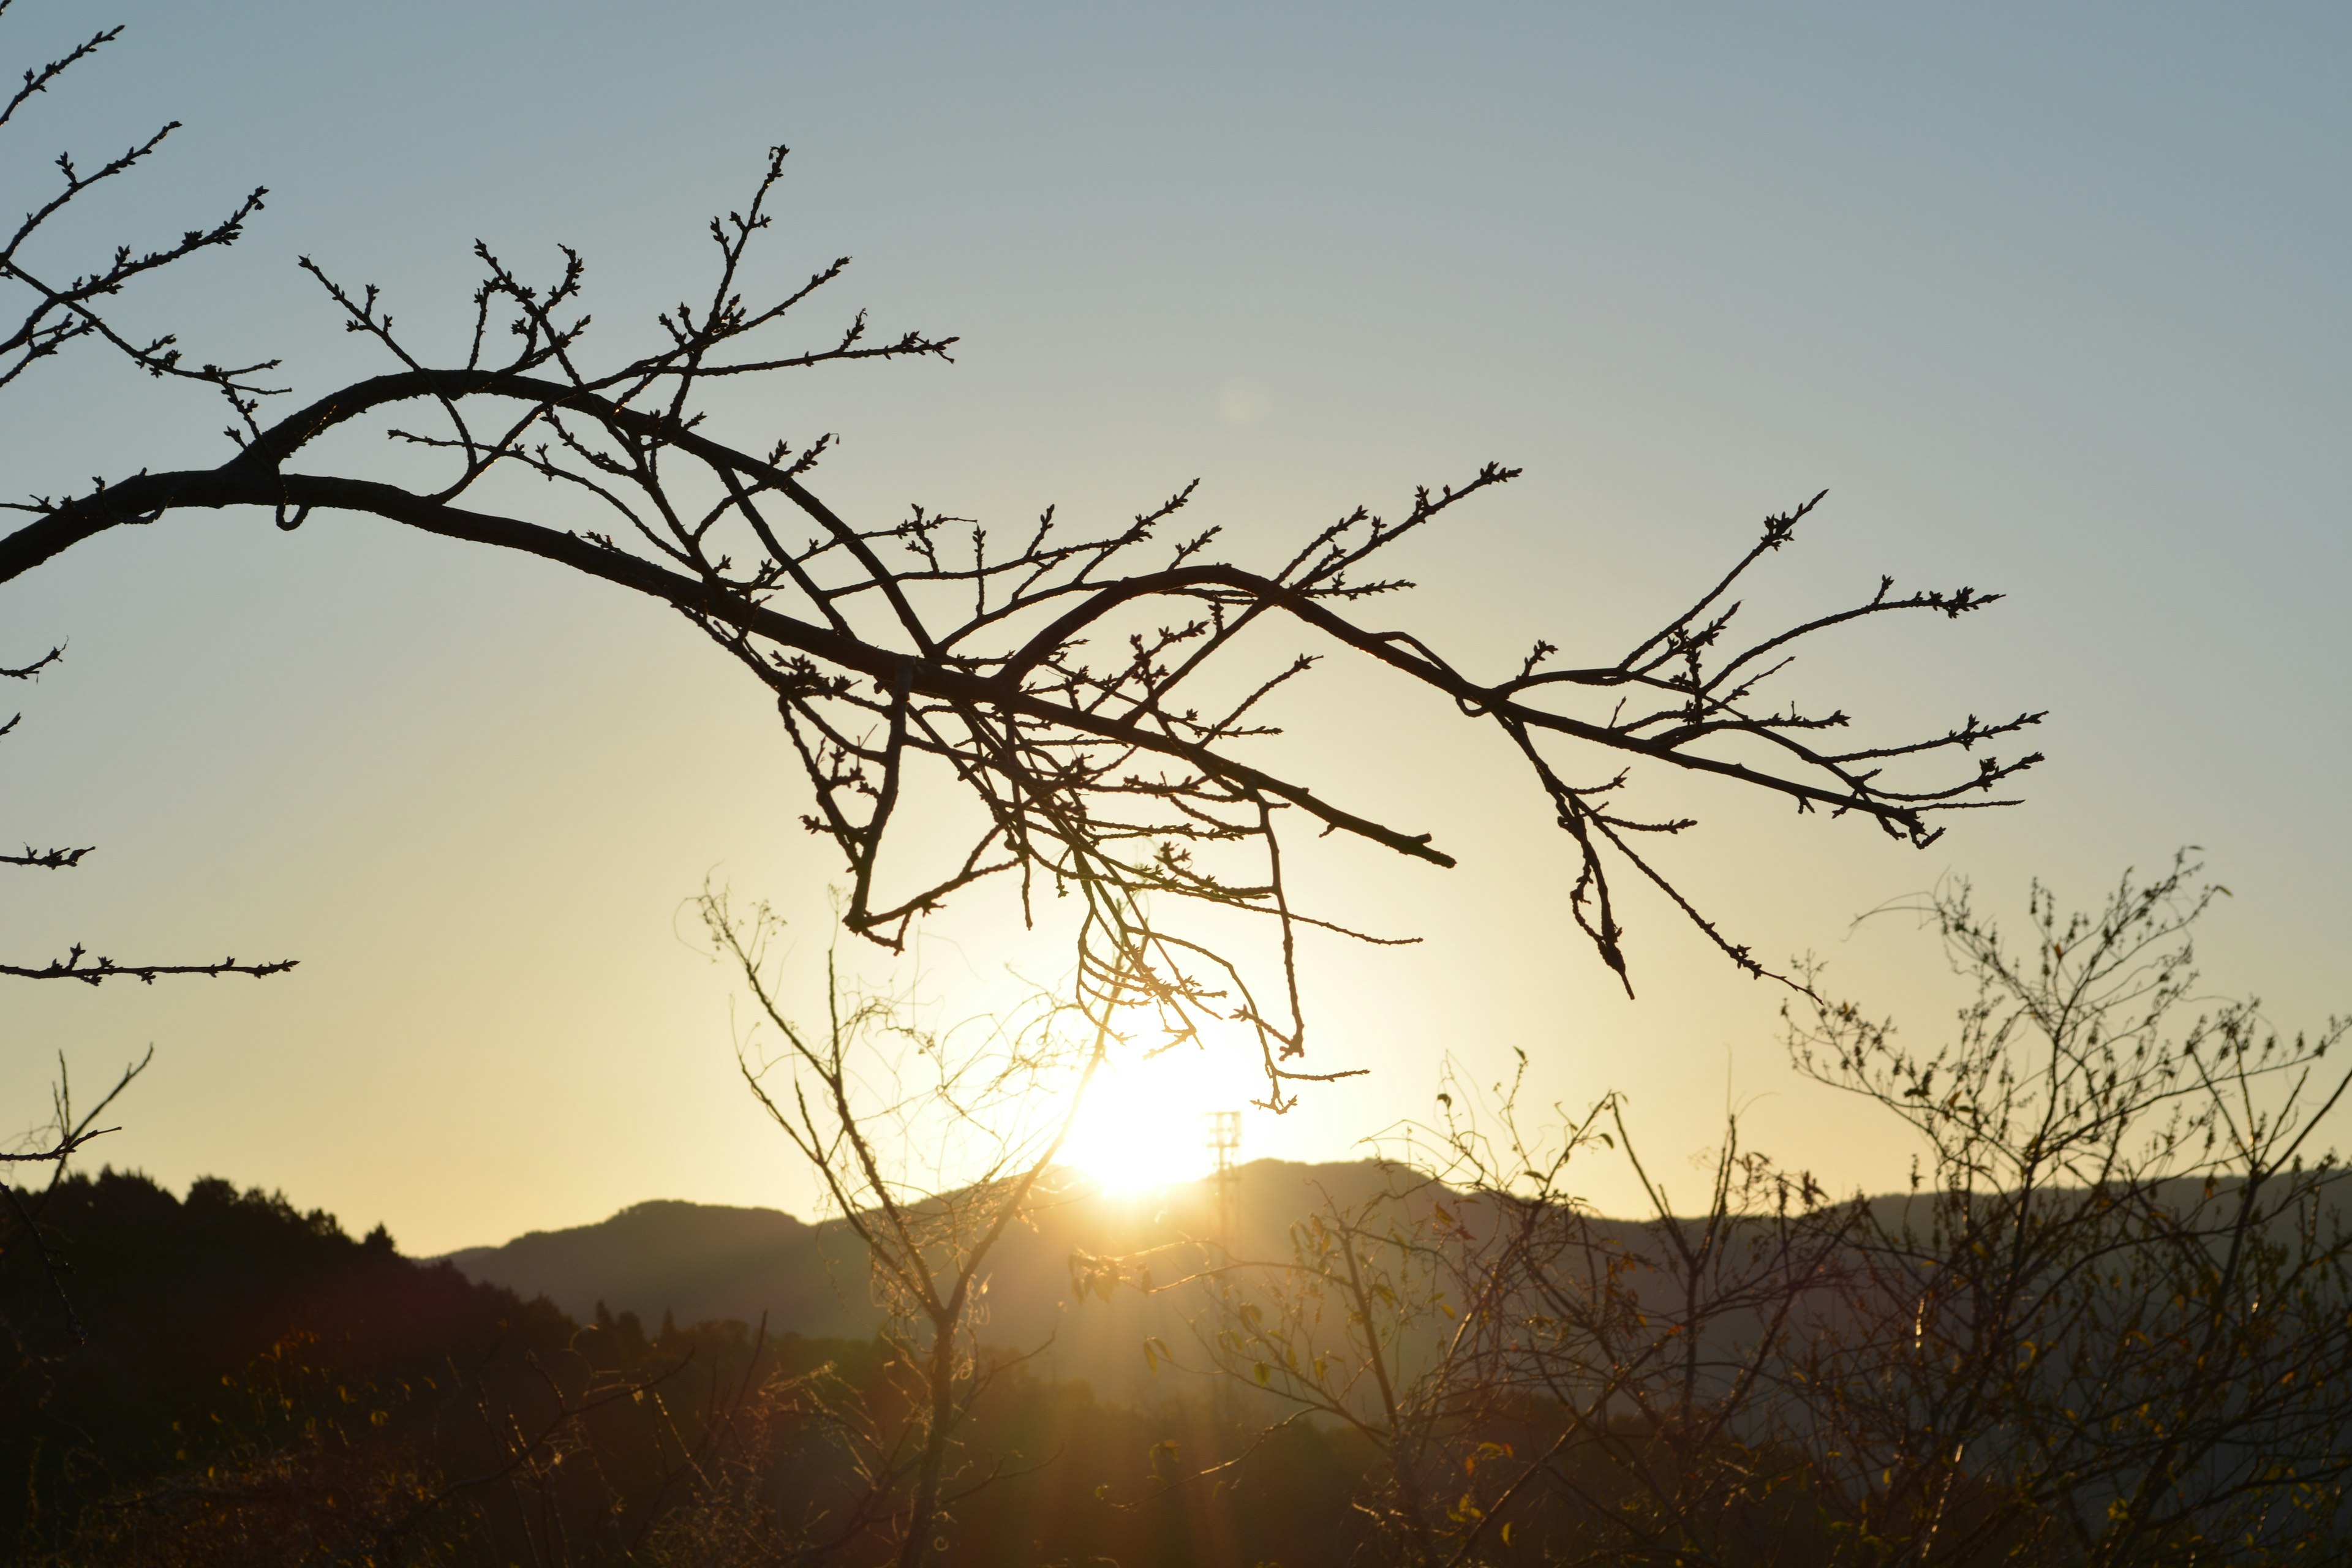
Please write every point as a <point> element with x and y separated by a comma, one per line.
<point>1145,1124</point>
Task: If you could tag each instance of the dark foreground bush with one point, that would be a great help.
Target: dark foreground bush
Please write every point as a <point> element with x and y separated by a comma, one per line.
<point>253,1386</point>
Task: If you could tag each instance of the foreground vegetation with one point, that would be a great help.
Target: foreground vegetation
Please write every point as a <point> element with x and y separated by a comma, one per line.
<point>257,1388</point>
<point>2111,1323</point>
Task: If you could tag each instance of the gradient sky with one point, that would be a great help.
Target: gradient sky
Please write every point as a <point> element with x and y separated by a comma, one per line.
<point>2054,300</point>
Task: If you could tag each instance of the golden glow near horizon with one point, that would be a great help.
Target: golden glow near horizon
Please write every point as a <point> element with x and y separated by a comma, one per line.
<point>2039,316</point>
<point>1145,1124</point>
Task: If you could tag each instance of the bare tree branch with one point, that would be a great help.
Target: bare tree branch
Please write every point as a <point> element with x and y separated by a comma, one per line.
<point>1105,725</point>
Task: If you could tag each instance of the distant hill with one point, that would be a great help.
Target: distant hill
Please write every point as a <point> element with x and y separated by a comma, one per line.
<point>226,1379</point>
<point>703,1261</point>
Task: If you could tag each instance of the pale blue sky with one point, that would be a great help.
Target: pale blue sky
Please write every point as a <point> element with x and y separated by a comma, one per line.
<point>2053,298</point>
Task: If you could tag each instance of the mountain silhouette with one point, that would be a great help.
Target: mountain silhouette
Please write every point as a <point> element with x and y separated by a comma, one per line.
<point>696,1262</point>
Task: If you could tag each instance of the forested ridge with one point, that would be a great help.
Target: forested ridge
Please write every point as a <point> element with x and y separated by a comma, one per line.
<point>231,1379</point>
<point>255,1386</point>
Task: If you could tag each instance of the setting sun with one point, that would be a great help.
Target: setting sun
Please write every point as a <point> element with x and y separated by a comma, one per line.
<point>1145,1125</point>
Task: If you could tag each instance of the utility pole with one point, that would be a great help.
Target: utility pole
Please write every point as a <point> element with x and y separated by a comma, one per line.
<point>1224,1142</point>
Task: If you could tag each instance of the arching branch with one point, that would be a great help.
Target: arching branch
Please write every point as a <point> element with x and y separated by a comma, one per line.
<point>1077,687</point>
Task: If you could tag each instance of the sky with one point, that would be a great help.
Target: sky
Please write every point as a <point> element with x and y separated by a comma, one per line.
<point>2051,300</point>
